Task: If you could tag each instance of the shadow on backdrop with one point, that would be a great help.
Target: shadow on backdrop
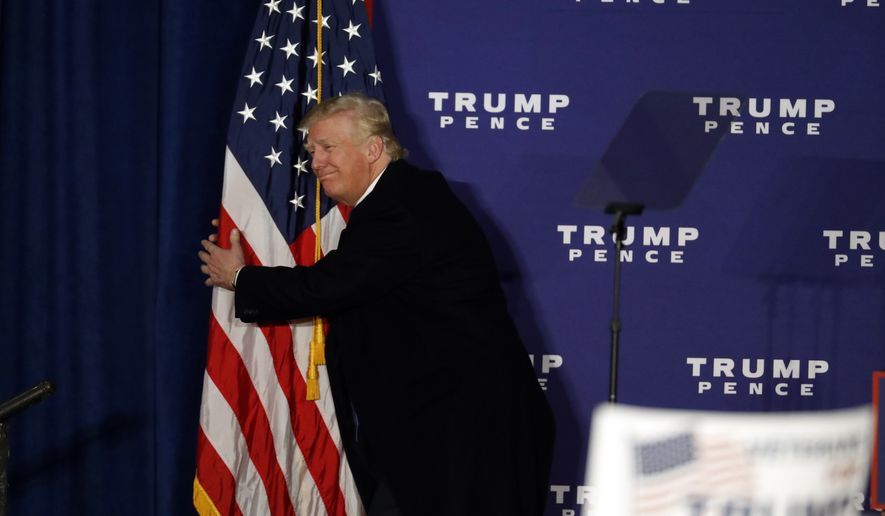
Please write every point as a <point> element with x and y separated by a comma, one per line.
<point>509,269</point>
<point>655,158</point>
<point>783,240</point>
<point>805,242</point>
<point>75,453</point>
<point>568,462</point>
<point>404,126</point>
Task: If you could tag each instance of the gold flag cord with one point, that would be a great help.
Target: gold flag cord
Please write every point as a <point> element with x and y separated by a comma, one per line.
<point>317,356</point>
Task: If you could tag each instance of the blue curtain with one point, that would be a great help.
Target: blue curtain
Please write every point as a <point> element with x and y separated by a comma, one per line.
<point>113,117</point>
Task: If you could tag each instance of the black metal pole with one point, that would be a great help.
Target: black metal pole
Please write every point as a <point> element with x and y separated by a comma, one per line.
<point>25,399</point>
<point>615,326</point>
<point>8,409</point>
<point>618,229</point>
<point>4,459</point>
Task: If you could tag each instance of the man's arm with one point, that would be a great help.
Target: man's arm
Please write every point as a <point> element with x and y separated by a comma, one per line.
<point>377,252</point>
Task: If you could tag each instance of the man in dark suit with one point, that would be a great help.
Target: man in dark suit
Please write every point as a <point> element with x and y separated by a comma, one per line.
<point>439,408</point>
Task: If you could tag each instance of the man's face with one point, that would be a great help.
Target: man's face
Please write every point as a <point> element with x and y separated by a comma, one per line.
<point>342,165</point>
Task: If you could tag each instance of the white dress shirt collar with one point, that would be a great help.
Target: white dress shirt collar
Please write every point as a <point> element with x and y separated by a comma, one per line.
<point>370,188</point>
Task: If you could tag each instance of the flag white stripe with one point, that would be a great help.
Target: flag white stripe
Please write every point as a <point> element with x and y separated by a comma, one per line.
<point>353,504</point>
<point>222,431</point>
<point>271,249</point>
<point>333,223</point>
<point>240,200</point>
<point>253,348</point>
<point>247,209</point>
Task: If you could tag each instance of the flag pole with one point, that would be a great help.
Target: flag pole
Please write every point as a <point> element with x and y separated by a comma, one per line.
<point>317,356</point>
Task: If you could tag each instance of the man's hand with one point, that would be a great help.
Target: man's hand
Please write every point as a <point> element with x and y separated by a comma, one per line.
<point>221,265</point>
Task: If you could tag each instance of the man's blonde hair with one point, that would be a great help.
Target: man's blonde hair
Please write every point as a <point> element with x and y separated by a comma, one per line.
<point>370,119</point>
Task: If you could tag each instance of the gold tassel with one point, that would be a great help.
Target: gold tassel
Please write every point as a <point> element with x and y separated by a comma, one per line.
<point>313,376</point>
<point>313,387</point>
<point>319,341</point>
<point>317,357</point>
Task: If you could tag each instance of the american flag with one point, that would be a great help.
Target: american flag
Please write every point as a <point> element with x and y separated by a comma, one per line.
<point>672,471</point>
<point>263,447</point>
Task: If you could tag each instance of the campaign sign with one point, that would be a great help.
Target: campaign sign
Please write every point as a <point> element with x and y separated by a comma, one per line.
<point>877,480</point>
<point>695,463</point>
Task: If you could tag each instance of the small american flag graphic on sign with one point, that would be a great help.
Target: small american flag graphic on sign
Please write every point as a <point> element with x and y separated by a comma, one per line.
<point>672,471</point>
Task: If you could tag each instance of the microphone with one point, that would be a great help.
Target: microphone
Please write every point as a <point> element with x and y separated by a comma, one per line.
<point>25,399</point>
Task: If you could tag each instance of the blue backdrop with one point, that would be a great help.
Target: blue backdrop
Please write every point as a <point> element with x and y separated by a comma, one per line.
<point>753,130</point>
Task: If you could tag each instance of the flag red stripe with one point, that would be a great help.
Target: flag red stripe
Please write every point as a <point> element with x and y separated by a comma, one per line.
<point>225,366</point>
<point>303,247</point>
<point>311,434</point>
<point>216,479</point>
<point>225,225</point>
<point>345,212</point>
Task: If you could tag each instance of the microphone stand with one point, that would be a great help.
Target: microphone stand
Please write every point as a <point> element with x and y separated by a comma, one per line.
<point>620,210</point>
<point>4,458</point>
<point>9,408</point>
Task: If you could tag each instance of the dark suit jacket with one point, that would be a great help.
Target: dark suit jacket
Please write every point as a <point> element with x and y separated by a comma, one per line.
<point>433,389</point>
